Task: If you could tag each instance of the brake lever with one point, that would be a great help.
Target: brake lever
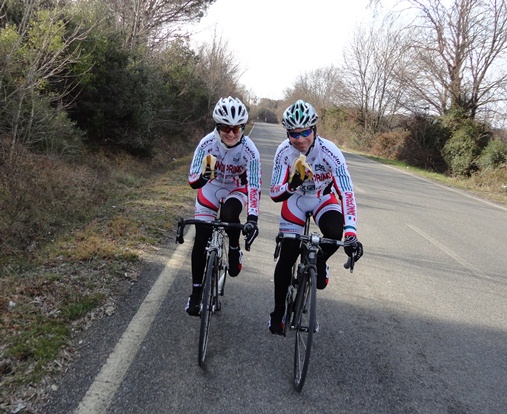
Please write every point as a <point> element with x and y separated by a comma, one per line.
<point>349,264</point>
<point>179,231</point>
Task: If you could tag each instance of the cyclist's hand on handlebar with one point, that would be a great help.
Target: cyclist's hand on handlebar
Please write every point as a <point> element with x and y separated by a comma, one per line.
<point>354,249</point>
<point>251,231</point>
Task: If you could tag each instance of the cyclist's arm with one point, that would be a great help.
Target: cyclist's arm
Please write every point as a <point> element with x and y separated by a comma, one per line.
<point>254,179</point>
<point>343,186</point>
<point>279,189</point>
<point>194,177</point>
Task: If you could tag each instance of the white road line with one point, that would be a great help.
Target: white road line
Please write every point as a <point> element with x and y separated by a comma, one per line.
<point>450,253</point>
<point>102,390</point>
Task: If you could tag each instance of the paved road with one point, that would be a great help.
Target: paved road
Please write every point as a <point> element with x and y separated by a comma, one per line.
<point>419,327</point>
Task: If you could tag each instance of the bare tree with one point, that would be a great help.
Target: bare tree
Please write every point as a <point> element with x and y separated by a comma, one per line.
<point>369,69</point>
<point>219,68</point>
<point>459,54</point>
<point>149,22</point>
<point>322,87</point>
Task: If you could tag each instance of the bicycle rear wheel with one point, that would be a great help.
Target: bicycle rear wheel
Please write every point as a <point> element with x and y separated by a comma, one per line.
<point>208,301</point>
<point>304,324</point>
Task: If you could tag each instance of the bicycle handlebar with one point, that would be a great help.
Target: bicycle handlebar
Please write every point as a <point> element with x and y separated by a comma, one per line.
<point>213,224</point>
<point>315,240</point>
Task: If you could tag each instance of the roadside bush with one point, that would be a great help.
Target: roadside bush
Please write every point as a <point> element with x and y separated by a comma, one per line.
<point>267,115</point>
<point>41,195</point>
<point>341,126</point>
<point>428,137</point>
<point>115,106</point>
<point>391,144</point>
<point>460,152</point>
<point>491,180</point>
<point>52,132</point>
<point>493,155</point>
<point>463,149</point>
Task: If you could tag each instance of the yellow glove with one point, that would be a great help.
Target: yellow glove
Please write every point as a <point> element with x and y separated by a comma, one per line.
<point>301,166</point>
<point>210,160</point>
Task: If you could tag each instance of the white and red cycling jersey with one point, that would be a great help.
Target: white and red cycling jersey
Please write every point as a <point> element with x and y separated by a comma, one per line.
<point>237,173</point>
<point>330,177</point>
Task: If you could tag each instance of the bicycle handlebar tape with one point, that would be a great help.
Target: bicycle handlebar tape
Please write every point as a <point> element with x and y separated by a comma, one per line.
<point>302,167</point>
<point>210,160</point>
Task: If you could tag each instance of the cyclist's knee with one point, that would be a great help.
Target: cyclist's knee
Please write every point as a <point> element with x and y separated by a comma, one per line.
<point>231,210</point>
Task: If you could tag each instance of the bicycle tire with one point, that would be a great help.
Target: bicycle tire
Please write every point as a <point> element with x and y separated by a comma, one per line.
<point>207,305</point>
<point>304,324</point>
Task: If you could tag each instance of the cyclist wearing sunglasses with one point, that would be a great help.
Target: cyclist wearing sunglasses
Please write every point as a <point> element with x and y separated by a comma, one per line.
<point>322,186</point>
<point>235,178</point>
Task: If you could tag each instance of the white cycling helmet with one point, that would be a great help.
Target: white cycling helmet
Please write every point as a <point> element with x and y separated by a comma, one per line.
<point>299,115</point>
<point>230,111</point>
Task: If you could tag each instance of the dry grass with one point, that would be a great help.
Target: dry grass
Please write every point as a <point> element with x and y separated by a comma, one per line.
<point>69,269</point>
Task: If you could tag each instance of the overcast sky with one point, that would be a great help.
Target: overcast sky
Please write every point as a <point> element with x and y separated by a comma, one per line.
<point>277,40</point>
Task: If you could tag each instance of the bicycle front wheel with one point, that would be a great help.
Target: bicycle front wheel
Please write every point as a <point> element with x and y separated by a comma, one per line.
<point>288,322</point>
<point>304,325</point>
<point>207,304</point>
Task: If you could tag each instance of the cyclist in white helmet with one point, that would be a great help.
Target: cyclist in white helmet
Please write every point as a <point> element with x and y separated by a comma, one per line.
<point>325,189</point>
<point>226,166</point>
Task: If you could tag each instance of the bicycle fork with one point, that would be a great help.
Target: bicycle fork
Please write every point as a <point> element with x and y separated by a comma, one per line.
<point>304,276</point>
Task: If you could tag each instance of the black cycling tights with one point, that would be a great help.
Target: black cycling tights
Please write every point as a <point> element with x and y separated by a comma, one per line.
<point>331,226</point>
<point>230,212</point>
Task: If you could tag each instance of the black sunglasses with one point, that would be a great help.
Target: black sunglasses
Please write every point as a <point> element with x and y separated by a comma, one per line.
<point>304,133</point>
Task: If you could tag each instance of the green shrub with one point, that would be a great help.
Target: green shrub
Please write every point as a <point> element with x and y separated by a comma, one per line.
<point>429,135</point>
<point>494,155</point>
<point>466,144</point>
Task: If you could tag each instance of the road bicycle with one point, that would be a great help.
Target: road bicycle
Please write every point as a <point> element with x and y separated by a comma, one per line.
<point>301,301</point>
<point>215,274</point>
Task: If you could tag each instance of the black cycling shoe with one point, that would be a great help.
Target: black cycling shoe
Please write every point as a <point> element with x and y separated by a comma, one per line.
<point>275,323</point>
<point>322,274</point>
<point>193,306</point>
<point>235,259</point>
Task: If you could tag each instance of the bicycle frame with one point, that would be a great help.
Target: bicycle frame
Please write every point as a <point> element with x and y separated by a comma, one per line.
<point>301,305</point>
<point>215,274</point>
